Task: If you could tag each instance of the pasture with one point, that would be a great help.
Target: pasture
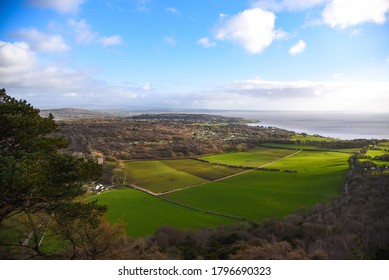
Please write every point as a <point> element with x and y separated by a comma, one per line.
<point>160,176</point>
<point>261,194</point>
<point>253,158</point>
<point>305,178</point>
<point>144,214</point>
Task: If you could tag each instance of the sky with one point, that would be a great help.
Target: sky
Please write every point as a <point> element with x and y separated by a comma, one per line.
<point>304,55</point>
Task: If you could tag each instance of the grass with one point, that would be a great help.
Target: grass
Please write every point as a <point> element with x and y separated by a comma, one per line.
<point>374,153</point>
<point>158,177</point>
<point>165,175</point>
<point>202,169</point>
<point>261,194</point>
<point>252,158</point>
<point>301,137</point>
<point>255,195</point>
<point>144,214</point>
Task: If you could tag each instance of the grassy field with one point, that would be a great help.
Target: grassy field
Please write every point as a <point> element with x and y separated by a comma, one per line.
<point>252,158</point>
<point>202,169</point>
<point>158,177</point>
<point>304,179</point>
<point>374,153</point>
<point>260,194</point>
<point>166,175</point>
<point>144,214</point>
<point>303,138</point>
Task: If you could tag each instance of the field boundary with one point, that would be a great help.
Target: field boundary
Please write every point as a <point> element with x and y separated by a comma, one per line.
<point>224,178</point>
<point>135,187</point>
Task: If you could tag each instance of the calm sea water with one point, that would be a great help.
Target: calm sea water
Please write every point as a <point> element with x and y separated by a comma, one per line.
<point>329,124</point>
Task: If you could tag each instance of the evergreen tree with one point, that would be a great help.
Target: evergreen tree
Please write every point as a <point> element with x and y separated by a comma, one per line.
<point>39,182</point>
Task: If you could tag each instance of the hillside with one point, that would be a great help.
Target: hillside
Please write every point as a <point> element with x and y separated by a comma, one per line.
<point>72,114</point>
<point>163,136</point>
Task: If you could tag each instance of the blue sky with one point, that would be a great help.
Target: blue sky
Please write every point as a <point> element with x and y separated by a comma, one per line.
<point>330,55</point>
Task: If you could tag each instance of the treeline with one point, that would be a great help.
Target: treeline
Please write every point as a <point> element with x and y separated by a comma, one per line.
<point>336,144</point>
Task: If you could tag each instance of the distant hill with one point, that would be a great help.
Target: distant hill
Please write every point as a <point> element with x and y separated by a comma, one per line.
<point>74,114</point>
<point>188,118</point>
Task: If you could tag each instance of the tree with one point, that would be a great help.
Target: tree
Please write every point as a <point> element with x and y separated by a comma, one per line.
<point>38,180</point>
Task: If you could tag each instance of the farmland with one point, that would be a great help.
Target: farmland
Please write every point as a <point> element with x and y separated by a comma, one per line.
<point>159,176</point>
<point>252,158</point>
<point>260,194</point>
<point>144,214</point>
<point>303,179</point>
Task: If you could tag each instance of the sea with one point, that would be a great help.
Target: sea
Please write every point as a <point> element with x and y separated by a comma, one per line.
<point>329,124</point>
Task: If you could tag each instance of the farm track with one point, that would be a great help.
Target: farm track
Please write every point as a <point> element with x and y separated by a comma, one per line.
<point>221,179</point>
<point>158,195</point>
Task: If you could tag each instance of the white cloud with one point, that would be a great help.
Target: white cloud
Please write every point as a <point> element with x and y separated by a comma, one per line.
<point>42,42</point>
<point>253,29</point>
<point>25,77</point>
<point>259,94</point>
<point>15,58</point>
<point>345,13</point>
<point>172,10</point>
<point>289,5</point>
<point>205,42</point>
<point>85,35</point>
<point>62,6</point>
<point>298,48</point>
<point>387,59</point>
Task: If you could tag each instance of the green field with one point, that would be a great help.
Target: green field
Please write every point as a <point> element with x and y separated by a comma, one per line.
<point>144,214</point>
<point>160,176</point>
<point>202,169</point>
<point>305,178</point>
<point>374,153</point>
<point>260,194</point>
<point>302,138</point>
<point>253,158</point>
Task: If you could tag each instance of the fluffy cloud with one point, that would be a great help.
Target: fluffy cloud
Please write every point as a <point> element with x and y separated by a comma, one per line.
<point>253,29</point>
<point>62,6</point>
<point>85,35</point>
<point>42,42</point>
<point>25,77</point>
<point>205,42</point>
<point>345,13</point>
<point>15,58</point>
<point>336,13</point>
<point>298,48</point>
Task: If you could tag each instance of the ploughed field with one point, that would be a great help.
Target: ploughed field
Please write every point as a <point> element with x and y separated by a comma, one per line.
<point>193,193</point>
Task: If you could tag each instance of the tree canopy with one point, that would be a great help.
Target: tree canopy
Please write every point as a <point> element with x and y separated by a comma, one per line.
<point>39,181</point>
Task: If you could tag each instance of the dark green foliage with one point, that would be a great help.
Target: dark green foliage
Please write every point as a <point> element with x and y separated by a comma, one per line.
<point>36,177</point>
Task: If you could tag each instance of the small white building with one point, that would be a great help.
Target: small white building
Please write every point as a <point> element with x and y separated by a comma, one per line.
<point>99,188</point>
